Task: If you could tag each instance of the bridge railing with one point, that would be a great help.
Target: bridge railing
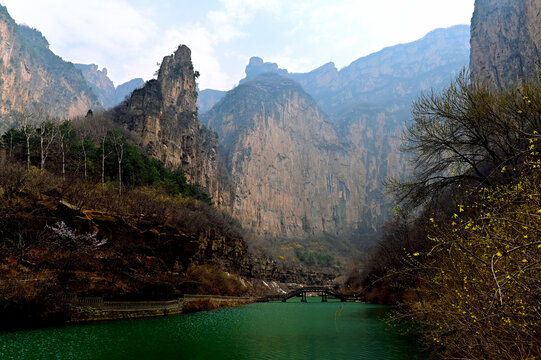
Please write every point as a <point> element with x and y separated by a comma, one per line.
<point>307,289</point>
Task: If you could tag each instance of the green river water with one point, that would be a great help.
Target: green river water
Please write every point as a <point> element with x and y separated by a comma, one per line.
<point>294,330</point>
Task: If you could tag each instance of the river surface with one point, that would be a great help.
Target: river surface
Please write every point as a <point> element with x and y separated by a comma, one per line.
<point>294,330</point>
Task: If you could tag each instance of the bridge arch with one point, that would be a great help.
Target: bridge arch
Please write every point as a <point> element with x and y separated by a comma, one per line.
<point>324,291</point>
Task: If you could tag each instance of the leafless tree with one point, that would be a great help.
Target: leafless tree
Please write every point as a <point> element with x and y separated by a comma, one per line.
<point>467,134</point>
<point>119,142</point>
<point>83,127</point>
<point>47,133</point>
<point>25,121</point>
<point>65,132</point>
<point>101,124</point>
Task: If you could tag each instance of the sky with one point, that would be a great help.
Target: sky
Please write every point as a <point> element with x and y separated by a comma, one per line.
<point>130,37</point>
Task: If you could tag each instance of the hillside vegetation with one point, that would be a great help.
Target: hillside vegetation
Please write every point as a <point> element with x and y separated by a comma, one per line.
<point>82,211</point>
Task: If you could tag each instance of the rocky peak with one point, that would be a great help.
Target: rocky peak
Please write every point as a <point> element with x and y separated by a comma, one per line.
<point>162,117</point>
<point>298,168</point>
<point>257,66</point>
<point>505,41</point>
<point>108,95</point>
<point>288,169</point>
<point>177,80</point>
<point>99,82</point>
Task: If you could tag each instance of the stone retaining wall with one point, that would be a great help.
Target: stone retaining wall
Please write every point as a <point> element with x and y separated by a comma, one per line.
<point>97,309</point>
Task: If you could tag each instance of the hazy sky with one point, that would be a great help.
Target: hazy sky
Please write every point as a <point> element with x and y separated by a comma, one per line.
<point>129,37</point>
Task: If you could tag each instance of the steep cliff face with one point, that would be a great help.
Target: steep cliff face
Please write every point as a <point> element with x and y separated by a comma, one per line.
<point>108,95</point>
<point>31,73</point>
<point>102,86</point>
<point>505,41</point>
<point>295,171</point>
<point>163,120</point>
<point>290,173</point>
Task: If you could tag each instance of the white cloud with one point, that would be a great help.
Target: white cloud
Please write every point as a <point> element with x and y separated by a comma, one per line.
<point>90,31</point>
<point>129,38</point>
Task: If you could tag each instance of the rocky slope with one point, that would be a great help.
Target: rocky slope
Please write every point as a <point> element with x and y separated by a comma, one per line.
<point>309,160</point>
<point>31,73</point>
<point>162,119</point>
<point>505,41</point>
<point>108,95</point>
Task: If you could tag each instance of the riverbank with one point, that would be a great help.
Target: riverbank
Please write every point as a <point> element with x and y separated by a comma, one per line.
<point>89,309</point>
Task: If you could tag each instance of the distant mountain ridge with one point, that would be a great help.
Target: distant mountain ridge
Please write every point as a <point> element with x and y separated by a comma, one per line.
<point>396,73</point>
<point>103,87</point>
<point>308,157</point>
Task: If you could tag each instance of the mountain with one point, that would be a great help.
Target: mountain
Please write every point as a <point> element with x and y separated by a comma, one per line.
<point>162,119</point>
<point>505,41</point>
<point>288,168</point>
<point>103,87</point>
<point>257,66</point>
<point>125,89</point>
<point>395,74</point>
<point>306,154</point>
<point>31,73</point>
<point>207,98</point>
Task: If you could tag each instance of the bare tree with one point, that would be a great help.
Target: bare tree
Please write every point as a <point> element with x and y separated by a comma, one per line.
<point>65,133</point>
<point>47,132</point>
<point>467,134</point>
<point>83,127</point>
<point>25,120</point>
<point>99,130</point>
<point>119,142</point>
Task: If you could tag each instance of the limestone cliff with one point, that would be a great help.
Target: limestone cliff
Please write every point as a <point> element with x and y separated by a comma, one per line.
<point>310,161</point>
<point>108,95</point>
<point>162,118</point>
<point>257,66</point>
<point>290,173</point>
<point>505,41</point>
<point>31,73</point>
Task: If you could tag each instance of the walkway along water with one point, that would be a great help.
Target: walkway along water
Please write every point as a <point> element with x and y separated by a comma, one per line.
<point>96,308</point>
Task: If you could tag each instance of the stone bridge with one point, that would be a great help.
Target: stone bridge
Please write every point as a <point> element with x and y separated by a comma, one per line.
<point>324,291</point>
